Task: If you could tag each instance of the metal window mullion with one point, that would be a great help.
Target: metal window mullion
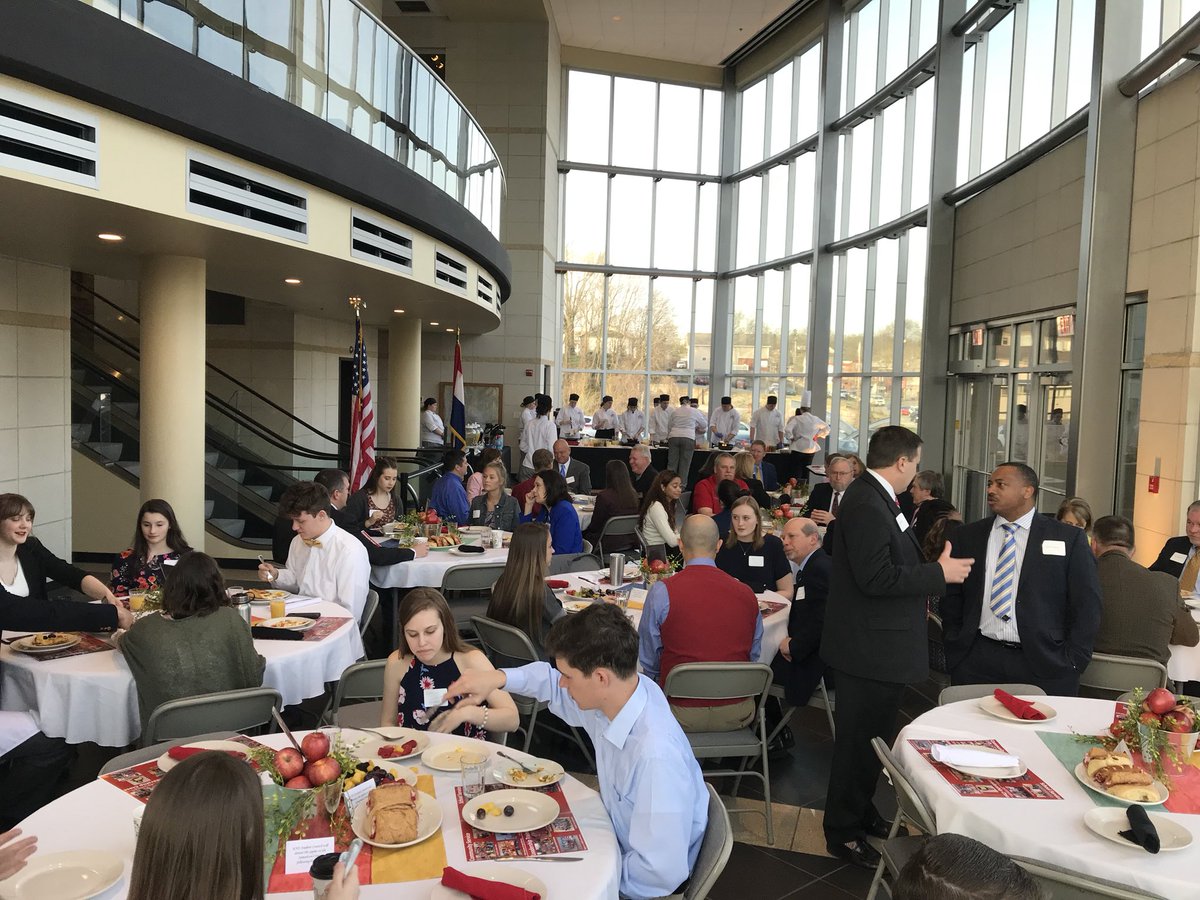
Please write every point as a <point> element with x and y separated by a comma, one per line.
<point>867,363</point>
<point>898,335</point>
<point>794,135</point>
<point>1062,62</point>
<point>881,42</point>
<point>910,143</point>
<point>839,332</point>
<point>978,88</point>
<point>851,60</point>
<point>1016,80</point>
<point>876,171</point>
<point>785,321</point>
<point>914,29</point>
<point>651,278</point>
<point>768,106</point>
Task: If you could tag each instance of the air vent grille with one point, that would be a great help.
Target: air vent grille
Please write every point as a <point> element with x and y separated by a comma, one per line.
<point>486,290</point>
<point>223,191</point>
<point>412,6</point>
<point>450,272</point>
<point>382,243</point>
<point>48,139</point>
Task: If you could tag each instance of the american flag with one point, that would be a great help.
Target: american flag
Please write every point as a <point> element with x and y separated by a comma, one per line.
<point>362,417</point>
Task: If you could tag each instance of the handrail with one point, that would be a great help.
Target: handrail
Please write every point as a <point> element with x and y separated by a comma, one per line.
<point>1172,50</point>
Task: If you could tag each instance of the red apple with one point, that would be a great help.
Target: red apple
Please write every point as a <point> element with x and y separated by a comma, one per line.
<point>1149,718</point>
<point>299,783</point>
<point>1160,700</point>
<point>431,517</point>
<point>792,482</point>
<point>1188,713</point>
<point>288,763</point>
<point>657,566</point>
<point>323,771</point>
<point>1176,722</point>
<point>786,509</point>
<point>315,746</point>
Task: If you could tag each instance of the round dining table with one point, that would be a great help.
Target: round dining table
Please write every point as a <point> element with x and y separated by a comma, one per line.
<point>1050,830</point>
<point>1184,664</point>
<point>429,570</point>
<point>92,697</point>
<point>99,816</point>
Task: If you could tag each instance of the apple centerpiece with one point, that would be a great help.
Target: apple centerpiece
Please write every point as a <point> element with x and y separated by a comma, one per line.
<point>1158,725</point>
<point>655,569</point>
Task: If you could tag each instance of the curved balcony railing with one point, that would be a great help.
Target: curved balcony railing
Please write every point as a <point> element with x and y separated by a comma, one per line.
<point>334,59</point>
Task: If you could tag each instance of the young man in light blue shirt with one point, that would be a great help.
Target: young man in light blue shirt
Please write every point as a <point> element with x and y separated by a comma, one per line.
<point>650,783</point>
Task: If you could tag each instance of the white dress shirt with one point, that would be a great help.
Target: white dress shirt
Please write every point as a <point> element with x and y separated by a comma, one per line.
<point>538,434</point>
<point>802,433</point>
<point>660,424</point>
<point>570,420</point>
<point>432,429</point>
<point>687,422</point>
<point>338,571</point>
<point>603,419</point>
<point>989,625</point>
<point>767,424</point>
<point>724,424</point>
<point>633,423</point>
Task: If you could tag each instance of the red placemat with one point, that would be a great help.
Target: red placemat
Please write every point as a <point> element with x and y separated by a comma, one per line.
<point>560,836</point>
<point>87,644</point>
<point>1028,787</point>
<point>139,781</point>
<point>324,627</point>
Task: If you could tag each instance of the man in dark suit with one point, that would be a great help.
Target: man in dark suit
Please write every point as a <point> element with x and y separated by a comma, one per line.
<point>1030,611</point>
<point>643,472</point>
<point>825,499</point>
<point>1180,553</point>
<point>764,471</point>
<point>575,473</point>
<point>874,637</point>
<point>928,496</point>
<point>798,665</point>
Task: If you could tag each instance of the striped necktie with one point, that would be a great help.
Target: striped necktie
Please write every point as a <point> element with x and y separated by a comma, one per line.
<point>1004,583</point>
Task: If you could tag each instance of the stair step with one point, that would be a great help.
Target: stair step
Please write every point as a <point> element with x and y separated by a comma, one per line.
<point>130,408</point>
<point>133,468</point>
<point>209,506</point>
<point>263,490</point>
<point>210,458</point>
<point>78,375</point>
<point>232,527</point>
<point>81,432</point>
<point>238,475</point>
<point>107,450</point>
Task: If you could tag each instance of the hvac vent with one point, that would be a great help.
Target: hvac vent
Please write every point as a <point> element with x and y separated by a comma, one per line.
<point>385,244</point>
<point>412,6</point>
<point>46,138</point>
<point>222,191</point>
<point>486,290</point>
<point>450,272</point>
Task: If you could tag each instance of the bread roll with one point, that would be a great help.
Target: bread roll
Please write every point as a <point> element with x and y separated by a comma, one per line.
<point>392,813</point>
<point>1136,792</point>
<point>1095,764</point>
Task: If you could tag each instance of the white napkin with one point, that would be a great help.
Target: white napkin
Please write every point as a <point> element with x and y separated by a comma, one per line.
<point>961,755</point>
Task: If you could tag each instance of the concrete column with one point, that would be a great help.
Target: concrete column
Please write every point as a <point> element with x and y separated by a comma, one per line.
<point>404,384</point>
<point>172,379</point>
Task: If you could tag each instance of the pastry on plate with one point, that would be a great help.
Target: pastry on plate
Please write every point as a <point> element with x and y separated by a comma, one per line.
<point>392,813</point>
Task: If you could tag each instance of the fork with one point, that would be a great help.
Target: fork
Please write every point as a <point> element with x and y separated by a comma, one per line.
<point>529,770</point>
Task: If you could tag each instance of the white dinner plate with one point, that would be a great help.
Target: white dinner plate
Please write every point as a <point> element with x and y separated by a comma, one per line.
<point>429,822</point>
<point>272,594</point>
<point>166,764</point>
<point>508,772</point>
<point>531,811</point>
<point>994,707</point>
<point>449,757</point>
<point>1108,822</point>
<point>275,623</point>
<point>25,645</point>
<point>497,872</point>
<point>1002,773</point>
<point>574,606</point>
<point>1156,785</point>
<point>396,735</point>
<point>71,875</point>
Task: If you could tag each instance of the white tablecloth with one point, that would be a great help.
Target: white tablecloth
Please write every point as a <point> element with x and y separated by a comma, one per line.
<point>98,816</point>
<point>93,698</point>
<point>774,625</point>
<point>1048,830</point>
<point>1184,664</point>
<point>429,570</point>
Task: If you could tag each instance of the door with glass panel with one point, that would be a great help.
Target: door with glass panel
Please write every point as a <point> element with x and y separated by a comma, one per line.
<point>975,441</point>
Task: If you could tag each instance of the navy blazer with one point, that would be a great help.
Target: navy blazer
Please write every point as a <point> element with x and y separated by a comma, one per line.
<point>805,623</point>
<point>770,478</point>
<point>1173,545</point>
<point>875,627</point>
<point>1058,598</point>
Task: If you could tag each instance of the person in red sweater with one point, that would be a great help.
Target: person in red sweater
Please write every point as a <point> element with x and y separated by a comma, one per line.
<point>542,460</point>
<point>700,615</point>
<point>704,498</point>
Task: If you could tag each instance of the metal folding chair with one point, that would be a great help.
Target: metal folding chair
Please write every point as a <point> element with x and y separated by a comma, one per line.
<point>220,711</point>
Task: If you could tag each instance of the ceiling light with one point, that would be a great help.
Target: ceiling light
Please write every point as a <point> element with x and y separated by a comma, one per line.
<point>110,236</point>
<point>435,323</point>
<point>451,330</point>
<point>292,281</point>
<point>616,18</point>
<point>398,311</point>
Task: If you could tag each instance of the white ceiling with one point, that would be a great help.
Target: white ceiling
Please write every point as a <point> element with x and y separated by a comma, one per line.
<point>703,32</point>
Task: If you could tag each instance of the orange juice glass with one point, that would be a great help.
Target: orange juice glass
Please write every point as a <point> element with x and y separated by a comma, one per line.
<point>137,601</point>
<point>278,609</point>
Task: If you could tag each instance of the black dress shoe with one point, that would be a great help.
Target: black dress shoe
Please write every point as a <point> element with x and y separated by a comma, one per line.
<point>880,828</point>
<point>861,854</point>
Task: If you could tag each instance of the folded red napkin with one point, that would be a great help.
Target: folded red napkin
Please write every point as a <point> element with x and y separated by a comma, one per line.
<point>1022,709</point>
<point>557,583</point>
<point>482,889</point>
<point>181,752</point>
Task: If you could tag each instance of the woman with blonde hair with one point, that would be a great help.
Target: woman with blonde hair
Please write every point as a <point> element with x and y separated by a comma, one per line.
<point>1076,511</point>
<point>743,467</point>
<point>475,480</point>
<point>521,598</point>
<point>493,508</point>
<point>749,555</point>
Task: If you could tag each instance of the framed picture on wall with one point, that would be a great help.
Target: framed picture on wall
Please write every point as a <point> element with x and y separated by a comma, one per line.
<point>483,401</point>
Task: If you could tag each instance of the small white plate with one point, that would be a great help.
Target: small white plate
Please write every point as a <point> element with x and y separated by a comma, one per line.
<point>429,822</point>
<point>1108,822</point>
<point>275,623</point>
<point>1192,602</point>
<point>25,645</point>
<point>998,773</point>
<point>531,811</point>
<point>166,764</point>
<point>994,707</point>
<point>449,757</point>
<point>574,606</point>
<point>503,769</point>
<point>272,594</point>
<point>71,875</point>
<point>1082,776</point>
<point>397,736</point>
<point>497,872</point>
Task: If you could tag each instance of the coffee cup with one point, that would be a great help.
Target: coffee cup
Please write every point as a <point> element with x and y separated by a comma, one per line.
<point>497,538</point>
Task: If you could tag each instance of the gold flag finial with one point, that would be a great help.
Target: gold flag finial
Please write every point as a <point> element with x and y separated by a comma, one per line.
<point>358,303</point>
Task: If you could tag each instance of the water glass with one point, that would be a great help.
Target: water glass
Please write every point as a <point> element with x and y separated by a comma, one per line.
<point>472,778</point>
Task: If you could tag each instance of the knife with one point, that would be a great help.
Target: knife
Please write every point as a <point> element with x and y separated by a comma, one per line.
<point>528,769</point>
<point>286,730</point>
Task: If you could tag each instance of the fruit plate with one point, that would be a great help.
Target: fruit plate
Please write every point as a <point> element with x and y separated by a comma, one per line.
<point>531,811</point>
<point>74,874</point>
<point>26,645</point>
<point>1109,823</point>
<point>290,623</point>
<point>994,707</point>
<point>429,822</point>
<point>497,872</point>
<point>166,764</point>
<point>1156,786</point>
<point>397,737</point>
<point>450,757</point>
<point>397,770</point>
<point>505,771</point>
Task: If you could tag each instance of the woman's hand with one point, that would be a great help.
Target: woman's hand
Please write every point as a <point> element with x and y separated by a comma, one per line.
<point>344,885</point>
<point>454,717</point>
<point>14,856</point>
<point>529,502</point>
<point>374,517</point>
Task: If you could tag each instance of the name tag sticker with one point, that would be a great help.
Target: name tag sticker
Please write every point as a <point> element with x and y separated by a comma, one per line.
<point>570,479</point>
<point>901,521</point>
<point>172,562</point>
<point>434,697</point>
<point>1179,557</point>
<point>475,513</point>
<point>800,592</point>
<point>1054,548</point>
<point>756,561</point>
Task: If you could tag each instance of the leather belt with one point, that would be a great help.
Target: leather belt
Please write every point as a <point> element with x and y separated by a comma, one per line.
<point>1011,645</point>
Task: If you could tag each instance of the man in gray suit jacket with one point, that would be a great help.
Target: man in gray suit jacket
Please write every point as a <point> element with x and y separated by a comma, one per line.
<point>576,474</point>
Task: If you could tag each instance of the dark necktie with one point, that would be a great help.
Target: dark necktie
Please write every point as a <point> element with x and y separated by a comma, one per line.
<point>833,510</point>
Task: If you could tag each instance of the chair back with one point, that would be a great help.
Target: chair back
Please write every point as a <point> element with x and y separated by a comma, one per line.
<point>221,711</point>
<point>617,526</point>
<point>368,612</point>
<point>1066,884</point>
<point>470,577</point>
<point>587,546</point>
<point>1118,674</point>
<point>683,507</point>
<point>564,563</point>
<point>957,692</point>
<point>719,681</point>
<point>501,641</point>
<point>909,802</point>
<point>714,849</point>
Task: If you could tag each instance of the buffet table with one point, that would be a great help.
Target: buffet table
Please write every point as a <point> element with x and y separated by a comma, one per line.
<point>787,464</point>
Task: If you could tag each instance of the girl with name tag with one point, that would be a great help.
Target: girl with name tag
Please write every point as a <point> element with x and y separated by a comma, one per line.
<point>752,557</point>
<point>493,508</point>
<point>158,543</point>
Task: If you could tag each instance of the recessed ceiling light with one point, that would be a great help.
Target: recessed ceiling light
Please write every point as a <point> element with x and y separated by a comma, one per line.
<point>292,281</point>
<point>110,236</point>
<point>435,323</point>
<point>616,18</point>
<point>451,330</point>
<point>398,311</point>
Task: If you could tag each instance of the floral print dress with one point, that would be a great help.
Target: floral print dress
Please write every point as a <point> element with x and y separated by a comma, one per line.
<point>132,574</point>
<point>410,708</point>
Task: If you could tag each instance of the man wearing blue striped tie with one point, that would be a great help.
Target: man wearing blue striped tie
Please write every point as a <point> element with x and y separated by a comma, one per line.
<point>1031,613</point>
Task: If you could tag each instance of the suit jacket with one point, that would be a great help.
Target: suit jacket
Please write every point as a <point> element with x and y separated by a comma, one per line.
<point>928,513</point>
<point>1173,545</point>
<point>805,623</point>
<point>40,565</point>
<point>353,515</point>
<point>643,482</point>
<point>819,497</point>
<point>1142,612</point>
<point>770,478</point>
<point>875,628</point>
<point>582,475</point>
<point>1058,598</point>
